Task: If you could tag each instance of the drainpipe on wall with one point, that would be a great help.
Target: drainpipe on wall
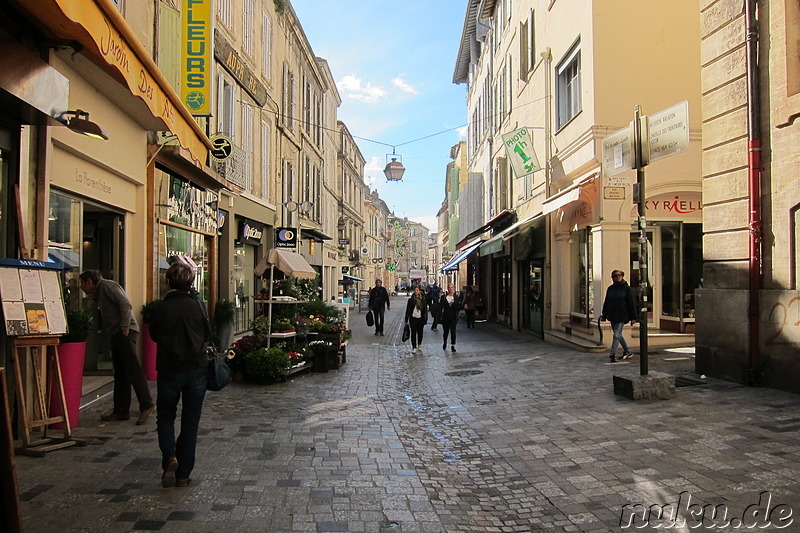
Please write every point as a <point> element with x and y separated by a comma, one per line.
<point>753,187</point>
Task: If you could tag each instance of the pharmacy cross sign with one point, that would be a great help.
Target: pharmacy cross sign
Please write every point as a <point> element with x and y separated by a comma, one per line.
<point>519,149</point>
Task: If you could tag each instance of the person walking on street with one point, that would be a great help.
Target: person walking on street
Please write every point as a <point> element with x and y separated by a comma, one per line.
<point>450,304</point>
<point>417,317</point>
<point>181,331</point>
<point>433,295</point>
<point>119,325</point>
<point>378,298</point>
<point>468,301</point>
<point>619,307</point>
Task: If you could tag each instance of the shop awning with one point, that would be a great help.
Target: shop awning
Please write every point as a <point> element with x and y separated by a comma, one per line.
<point>505,216</point>
<point>453,263</point>
<point>314,234</point>
<point>348,276</point>
<point>289,263</point>
<point>495,244</point>
<point>92,24</point>
<point>568,195</point>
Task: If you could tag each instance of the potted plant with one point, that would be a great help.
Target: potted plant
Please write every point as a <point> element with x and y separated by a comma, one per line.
<point>267,364</point>
<point>71,357</point>
<point>224,313</point>
<point>321,350</point>
<point>282,325</point>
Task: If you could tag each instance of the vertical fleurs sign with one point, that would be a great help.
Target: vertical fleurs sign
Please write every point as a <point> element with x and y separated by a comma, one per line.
<point>196,56</point>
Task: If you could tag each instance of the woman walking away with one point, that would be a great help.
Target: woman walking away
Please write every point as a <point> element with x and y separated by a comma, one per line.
<point>416,317</point>
<point>450,305</point>
<point>180,327</point>
<point>468,301</point>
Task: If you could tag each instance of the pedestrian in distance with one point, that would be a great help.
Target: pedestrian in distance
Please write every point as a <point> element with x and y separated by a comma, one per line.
<point>116,321</point>
<point>468,301</point>
<point>450,304</point>
<point>417,317</point>
<point>619,307</point>
<point>433,294</point>
<point>181,330</point>
<point>378,299</point>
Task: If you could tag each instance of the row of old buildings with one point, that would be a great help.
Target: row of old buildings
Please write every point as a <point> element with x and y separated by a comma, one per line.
<point>542,199</point>
<point>134,132</point>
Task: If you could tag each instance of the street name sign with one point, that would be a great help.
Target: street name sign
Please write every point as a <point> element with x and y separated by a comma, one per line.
<point>669,131</point>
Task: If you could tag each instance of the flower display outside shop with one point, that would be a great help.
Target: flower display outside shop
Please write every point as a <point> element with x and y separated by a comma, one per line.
<point>265,357</point>
<point>282,325</point>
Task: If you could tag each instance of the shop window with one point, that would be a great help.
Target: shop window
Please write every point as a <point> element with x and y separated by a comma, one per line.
<point>64,239</point>
<point>583,288</point>
<point>568,87</point>
<point>179,244</point>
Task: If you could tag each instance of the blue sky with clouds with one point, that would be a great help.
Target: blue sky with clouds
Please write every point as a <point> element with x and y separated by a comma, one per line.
<point>393,64</point>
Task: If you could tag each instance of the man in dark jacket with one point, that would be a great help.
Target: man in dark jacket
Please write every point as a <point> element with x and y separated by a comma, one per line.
<point>179,325</point>
<point>378,298</point>
<point>119,325</point>
<point>619,307</point>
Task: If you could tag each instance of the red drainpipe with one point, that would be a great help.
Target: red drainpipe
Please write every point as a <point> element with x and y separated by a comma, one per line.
<point>753,187</point>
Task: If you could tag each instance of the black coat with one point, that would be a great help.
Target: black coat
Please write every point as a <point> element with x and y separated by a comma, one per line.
<point>410,308</point>
<point>620,303</point>
<point>449,311</point>
<point>378,297</point>
<point>179,325</point>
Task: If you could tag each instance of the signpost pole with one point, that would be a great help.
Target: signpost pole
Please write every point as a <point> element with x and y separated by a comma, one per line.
<point>640,162</point>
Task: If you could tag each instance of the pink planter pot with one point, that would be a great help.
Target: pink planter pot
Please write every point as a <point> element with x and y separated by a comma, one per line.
<point>71,356</point>
<point>149,349</point>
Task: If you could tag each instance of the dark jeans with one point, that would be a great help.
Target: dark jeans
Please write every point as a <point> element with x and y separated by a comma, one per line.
<point>451,329</point>
<point>128,372</point>
<point>190,387</point>
<point>436,314</point>
<point>417,326</point>
<point>470,314</point>
<point>378,319</point>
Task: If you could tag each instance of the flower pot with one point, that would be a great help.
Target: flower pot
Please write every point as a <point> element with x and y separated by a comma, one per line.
<point>71,356</point>
<point>149,350</point>
<point>320,361</point>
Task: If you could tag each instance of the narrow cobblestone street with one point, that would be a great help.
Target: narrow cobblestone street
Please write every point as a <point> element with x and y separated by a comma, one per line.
<point>506,434</point>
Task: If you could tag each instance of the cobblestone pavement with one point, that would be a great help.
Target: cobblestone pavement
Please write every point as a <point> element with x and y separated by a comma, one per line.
<point>508,434</point>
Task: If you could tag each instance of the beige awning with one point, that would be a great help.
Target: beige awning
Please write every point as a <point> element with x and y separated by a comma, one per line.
<point>289,263</point>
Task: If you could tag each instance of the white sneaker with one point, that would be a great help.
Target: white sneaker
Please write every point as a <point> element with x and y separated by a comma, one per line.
<point>413,350</point>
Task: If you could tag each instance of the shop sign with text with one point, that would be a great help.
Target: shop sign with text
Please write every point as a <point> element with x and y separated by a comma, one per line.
<point>250,231</point>
<point>196,56</point>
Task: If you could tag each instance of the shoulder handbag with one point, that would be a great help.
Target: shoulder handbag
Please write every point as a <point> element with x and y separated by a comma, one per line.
<point>219,374</point>
<point>370,319</point>
<point>406,332</point>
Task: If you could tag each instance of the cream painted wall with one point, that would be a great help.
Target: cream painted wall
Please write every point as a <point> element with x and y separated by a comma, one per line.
<point>119,162</point>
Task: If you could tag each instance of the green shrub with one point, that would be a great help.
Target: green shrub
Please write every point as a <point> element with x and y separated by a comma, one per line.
<point>79,324</point>
<point>267,363</point>
<point>224,312</point>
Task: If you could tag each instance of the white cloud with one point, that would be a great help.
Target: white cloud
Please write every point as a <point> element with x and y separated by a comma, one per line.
<point>355,88</point>
<point>429,221</point>
<point>462,132</point>
<point>404,86</point>
<point>374,166</point>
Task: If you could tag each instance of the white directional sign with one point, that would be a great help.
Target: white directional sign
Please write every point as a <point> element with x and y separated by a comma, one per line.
<point>668,135</point>
<point>617,154</point>
<point>669,131</point>
<point>519,149</point>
